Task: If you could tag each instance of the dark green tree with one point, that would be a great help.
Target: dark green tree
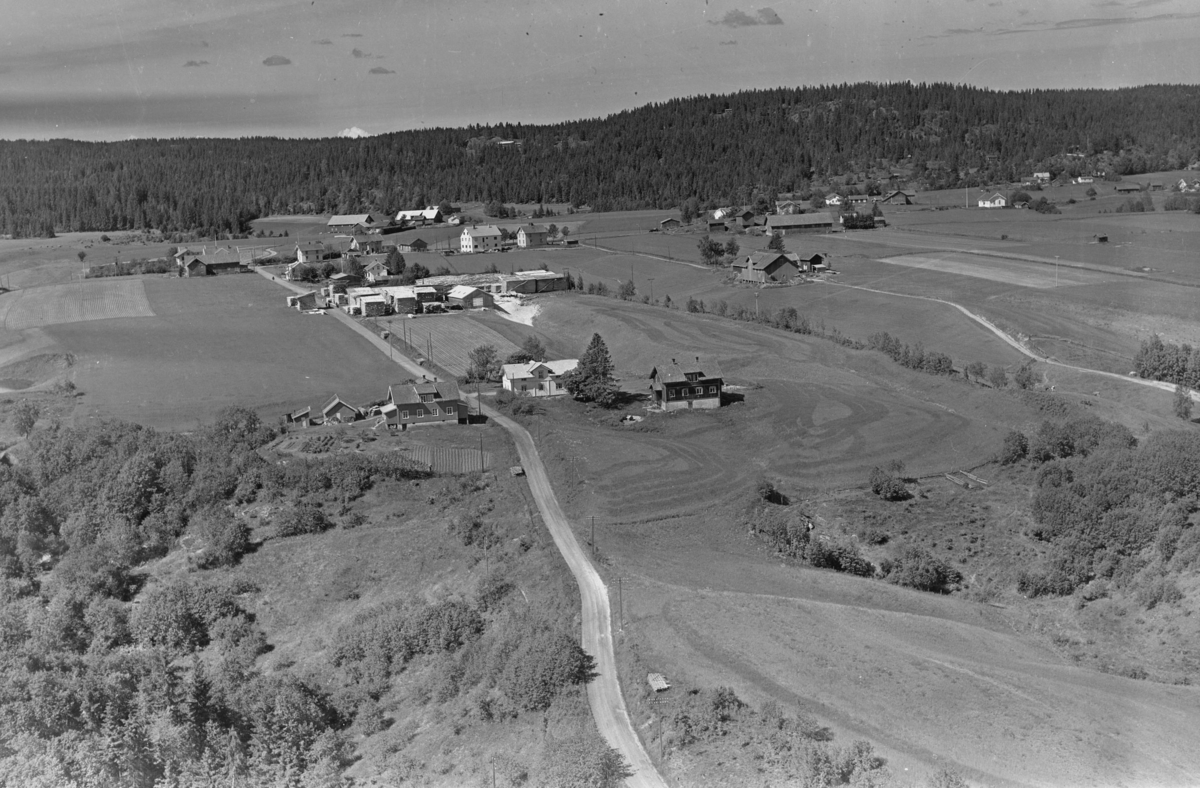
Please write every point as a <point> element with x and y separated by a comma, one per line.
<point>776,242</point>
<point>592,380</point>
<point>1183,402</point>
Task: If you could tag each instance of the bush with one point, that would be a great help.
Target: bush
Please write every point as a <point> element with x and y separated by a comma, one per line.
<point>1015,448</point>
<point>919,569</point>
<point>223,539</point>
<point>302,519</point>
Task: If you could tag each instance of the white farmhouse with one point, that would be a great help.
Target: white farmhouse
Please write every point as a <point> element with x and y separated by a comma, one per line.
<point>480,239</point>
<point>537,378</point>
<point>997,200</point>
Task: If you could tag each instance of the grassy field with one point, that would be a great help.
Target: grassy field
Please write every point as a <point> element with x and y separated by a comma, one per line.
<point>451,338</point>
<point>212,343</point>
<point>930,680</point>
<point>73,303</point>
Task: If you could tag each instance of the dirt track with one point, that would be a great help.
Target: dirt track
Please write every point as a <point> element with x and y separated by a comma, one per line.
<point>604,693</point>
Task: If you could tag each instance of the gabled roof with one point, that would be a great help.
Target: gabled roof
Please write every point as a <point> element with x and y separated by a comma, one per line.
<point>410,393</point>
<point>760,261</point>
<point>798,220</point>
<point>463,291</point>
<point>674,371</point>
<point>534,229</point>
<point>310,246</point>
<point>349,219</point>
<point>487,231</point>
<point>422,213</point>
<point>334,402</point>
<point>527,370</point>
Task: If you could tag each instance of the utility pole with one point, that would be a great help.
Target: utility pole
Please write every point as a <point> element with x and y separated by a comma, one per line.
<point>756,305</point>
<point>651,278</point>
<point>593,536</point>
<point>621,604</point>
<point>1056,270</point>
<point>481,454</point>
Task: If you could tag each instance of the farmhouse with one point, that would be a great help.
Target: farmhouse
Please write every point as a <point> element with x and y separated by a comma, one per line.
<point>858,199</point>
<point>670,223</point>
<point>1041,177</point>
<point>415,245</point>
<point>354,224</point>
<point>767,266</point>
<point>221,260</point>
<point>366,243</point>
<point>800,223</point>
<point>687,385</point>
<point>376,271</point>
<point>788,207</point>
<point>338,410</point>
<point>1085,179</point>
<point>531,235</point>
<point>997,200</point>
<point>425,403</point>
<point>309,252</point>
<point>833,199</point>
<point>430,215</point>
<point>899,197</point>
<point>1128,188</point>
<point>537,378</point>
<point>480,239</point>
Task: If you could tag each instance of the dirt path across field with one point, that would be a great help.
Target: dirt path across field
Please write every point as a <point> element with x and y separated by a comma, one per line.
<point>604,692</point>
<point>1157,384</point>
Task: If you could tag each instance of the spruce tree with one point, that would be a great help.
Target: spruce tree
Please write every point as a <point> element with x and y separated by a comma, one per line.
<point>592,380</point>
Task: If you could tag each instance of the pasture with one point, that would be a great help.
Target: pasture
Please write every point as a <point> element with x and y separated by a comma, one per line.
<point>212,343</point>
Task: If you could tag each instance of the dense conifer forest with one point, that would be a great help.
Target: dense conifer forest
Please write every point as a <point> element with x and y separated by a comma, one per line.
<point>715,148</point>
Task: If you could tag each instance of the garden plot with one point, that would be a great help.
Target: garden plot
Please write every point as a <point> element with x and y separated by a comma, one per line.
<point>450,338</point>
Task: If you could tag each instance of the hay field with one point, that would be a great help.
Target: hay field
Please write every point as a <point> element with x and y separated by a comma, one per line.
<point>1012,272</point>
<point>74,303</point>
<point>212,343</point>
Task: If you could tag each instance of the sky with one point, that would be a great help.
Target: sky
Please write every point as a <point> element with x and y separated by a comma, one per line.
<point>121,69</point>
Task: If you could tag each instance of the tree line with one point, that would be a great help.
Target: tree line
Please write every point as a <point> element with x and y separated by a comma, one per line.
<point>716,149</point>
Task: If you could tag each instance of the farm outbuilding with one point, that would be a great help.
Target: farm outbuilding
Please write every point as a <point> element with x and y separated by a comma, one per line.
<point>306,301</point>
<point>302,417</point>
<point>801,223</point>
<point>374,305</point>
<point>430,215</point>
<point>351,223</point>
<point>338,410</point>
<point>527,282</point>
<point>669,223</point>
<point>415,245</point>
<point>469,297</point>
<point>686,385</point>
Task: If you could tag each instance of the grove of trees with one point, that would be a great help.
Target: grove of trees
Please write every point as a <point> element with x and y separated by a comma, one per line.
<point>732,149</point>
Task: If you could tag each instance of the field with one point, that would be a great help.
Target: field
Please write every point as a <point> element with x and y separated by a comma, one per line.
<point>212,343</point>
<point>930,680</point>
<point>56,304</point>
<point>450,337</point>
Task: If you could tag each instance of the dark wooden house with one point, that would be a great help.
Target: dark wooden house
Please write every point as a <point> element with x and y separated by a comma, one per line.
<point>686,384</point>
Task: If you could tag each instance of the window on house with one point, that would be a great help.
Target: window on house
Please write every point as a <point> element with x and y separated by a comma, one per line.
<point>404,414</point>
<point>712,389</point>
<point>433,411</point>
<point>670,394</point>
<point>450,410</point>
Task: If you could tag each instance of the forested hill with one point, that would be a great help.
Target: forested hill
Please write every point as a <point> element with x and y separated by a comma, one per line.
<point>718,148</point>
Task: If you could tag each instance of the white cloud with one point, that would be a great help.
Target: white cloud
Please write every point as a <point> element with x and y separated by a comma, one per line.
<point>354,132</point>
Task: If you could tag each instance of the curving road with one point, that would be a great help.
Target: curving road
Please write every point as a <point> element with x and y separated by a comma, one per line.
<point>1155,384</point>
<point>604,693</point>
